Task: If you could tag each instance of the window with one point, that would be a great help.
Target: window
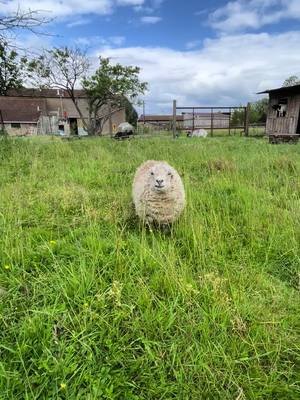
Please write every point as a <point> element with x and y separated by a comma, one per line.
<point>282,107</point>
<point>15,125</point>
<point>53,113</point>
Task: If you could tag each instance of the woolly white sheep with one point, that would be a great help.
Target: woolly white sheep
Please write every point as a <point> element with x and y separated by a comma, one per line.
<point>198,133</point>
<point>125,127</point>
<point>158,193</point>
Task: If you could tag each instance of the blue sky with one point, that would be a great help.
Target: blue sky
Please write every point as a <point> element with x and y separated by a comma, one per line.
<point>213,52</point>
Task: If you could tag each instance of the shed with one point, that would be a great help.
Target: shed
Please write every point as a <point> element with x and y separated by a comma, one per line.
<point>283,115</point>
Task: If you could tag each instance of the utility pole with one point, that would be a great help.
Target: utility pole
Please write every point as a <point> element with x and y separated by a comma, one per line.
<point>174,119</point>
<point>144,110</point>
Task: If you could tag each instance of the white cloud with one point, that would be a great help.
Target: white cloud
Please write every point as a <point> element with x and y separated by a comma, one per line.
<point>104,42</point>
<point>227,71</point>
<point>68,7</point>
<point>117,40</point>
<point>193,44</point>
<point>149,6</point>
<point>78,22</point>
<point>150,19</point>
<point>239,15</point>
<point>201,12</point>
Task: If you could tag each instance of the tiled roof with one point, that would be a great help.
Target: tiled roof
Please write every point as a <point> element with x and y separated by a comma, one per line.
<point>31,92</point>
<point>21,110</point>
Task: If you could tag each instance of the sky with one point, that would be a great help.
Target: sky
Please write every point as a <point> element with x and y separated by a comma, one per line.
<point>210,53</point>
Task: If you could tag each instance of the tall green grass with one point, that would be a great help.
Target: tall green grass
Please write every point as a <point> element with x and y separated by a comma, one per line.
<point>95,306</point>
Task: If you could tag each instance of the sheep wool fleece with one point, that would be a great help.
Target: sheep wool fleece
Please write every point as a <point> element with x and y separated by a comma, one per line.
<point>158,193</point>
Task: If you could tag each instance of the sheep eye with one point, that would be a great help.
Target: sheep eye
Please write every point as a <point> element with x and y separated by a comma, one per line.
<point>152,173</point>
<point>170,173</point>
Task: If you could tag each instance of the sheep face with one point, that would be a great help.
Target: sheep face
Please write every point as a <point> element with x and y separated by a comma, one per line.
<point>160,178</point>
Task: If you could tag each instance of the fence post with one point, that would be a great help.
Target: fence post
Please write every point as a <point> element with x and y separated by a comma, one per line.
<point>174,118</point>
<point>247,116</point>
<point>144,117</point>
<point>212,122</point>
<point>193,119</point>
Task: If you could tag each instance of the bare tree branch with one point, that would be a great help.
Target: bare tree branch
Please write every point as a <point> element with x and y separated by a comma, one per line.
<point>23,20</point>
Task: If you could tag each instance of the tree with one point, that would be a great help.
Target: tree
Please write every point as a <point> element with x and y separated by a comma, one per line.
<point>258,113</point>
<point>107,90</point>
<point>291,81</point>
<point>61,68</point>
<point>130,113</point>
<point>11,69</point>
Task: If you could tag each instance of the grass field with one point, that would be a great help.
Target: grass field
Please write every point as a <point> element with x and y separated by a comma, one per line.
<point>94,306</point>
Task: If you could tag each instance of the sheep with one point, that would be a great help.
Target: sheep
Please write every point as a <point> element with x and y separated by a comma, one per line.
<point>158,193</point>
<point>125,130</point>
<point>197,133</point>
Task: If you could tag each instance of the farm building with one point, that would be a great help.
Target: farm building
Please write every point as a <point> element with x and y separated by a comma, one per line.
<point>48,111</point>
<point>204,120</point>
<point>159,121</point>
<point>283,115</point>
<point>189,121</point>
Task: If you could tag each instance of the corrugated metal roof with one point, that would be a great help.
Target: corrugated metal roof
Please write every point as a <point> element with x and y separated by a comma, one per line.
<point>160,118</point>
<point>291,89</point>
<point>216,115</point>
<point>184,116</point>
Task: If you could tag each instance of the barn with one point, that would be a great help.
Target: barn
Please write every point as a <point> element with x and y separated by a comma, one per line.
<point>283,115</point>
<point>49,111</point>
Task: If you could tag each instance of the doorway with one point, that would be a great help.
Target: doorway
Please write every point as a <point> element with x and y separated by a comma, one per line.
<point>298,125</point>
<point>73,126</point>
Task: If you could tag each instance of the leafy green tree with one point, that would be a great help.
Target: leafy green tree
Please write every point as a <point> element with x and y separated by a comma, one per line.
<point>258,113</point>
<point>11,69</point>
<point>130,112</point>
<point>107,88</point>
<point>291,81</point>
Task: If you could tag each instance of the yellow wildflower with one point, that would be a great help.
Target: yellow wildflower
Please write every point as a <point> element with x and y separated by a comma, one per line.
<point>53,242</point>
<point>7,266</point>
<point>63,386</point>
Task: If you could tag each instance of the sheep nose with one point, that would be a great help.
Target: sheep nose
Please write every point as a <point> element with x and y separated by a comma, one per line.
<point>159,181</point>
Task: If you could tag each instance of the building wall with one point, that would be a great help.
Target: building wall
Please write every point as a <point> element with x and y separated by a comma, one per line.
<point>50,124</point>
<point>287,124</point>
<point>64,106</point>
<point>26,129</point>
<point>117,118</point>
